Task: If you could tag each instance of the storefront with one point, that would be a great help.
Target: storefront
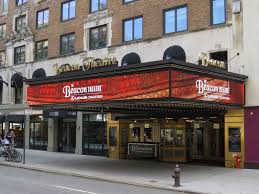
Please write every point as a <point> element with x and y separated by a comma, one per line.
<point>168,110</point>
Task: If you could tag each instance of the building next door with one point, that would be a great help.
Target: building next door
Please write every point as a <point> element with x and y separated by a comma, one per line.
<point>67,135</point>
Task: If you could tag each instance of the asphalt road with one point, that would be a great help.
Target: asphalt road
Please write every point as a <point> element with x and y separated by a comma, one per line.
<point>21,181</point>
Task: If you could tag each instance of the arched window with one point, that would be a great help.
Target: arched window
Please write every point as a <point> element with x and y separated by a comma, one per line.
<point>17,84</point>
<point>174,52</point>
<point>130,59</point>
<point>39,74</point>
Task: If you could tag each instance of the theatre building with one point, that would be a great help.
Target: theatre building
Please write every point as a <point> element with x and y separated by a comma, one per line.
<point>168,110</point>
<point>122,79</point>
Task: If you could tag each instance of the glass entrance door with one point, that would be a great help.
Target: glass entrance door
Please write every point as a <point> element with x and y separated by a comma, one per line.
<point>67,136</point>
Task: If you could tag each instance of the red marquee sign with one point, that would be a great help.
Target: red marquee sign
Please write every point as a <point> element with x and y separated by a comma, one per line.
<point>137,86</point>
<point>198,87</point>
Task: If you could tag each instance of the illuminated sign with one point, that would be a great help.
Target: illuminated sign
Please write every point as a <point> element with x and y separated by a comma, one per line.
<point>206,61</point>
<point>89,63</point>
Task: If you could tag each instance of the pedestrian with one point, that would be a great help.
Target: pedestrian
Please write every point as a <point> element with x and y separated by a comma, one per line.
<point>12,137</point>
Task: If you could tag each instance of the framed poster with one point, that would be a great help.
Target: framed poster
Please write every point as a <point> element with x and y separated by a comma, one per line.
<point>234,139</point>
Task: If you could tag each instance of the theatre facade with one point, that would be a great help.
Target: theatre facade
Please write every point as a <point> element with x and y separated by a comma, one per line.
<point>165,110</point>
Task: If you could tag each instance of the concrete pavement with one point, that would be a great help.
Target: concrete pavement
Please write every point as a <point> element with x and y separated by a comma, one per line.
<point>194,178</point>
<point>13,181</point>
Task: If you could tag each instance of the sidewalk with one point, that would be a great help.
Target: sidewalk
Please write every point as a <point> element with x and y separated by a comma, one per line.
<point>194,178</point>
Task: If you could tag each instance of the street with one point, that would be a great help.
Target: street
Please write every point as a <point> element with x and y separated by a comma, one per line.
<point>15,180</point>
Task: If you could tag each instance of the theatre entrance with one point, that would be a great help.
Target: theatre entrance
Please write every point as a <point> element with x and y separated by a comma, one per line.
<point>67,135</point>
<point>183,139</point>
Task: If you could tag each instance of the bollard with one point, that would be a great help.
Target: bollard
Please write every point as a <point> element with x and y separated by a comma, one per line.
<point>176,176</point>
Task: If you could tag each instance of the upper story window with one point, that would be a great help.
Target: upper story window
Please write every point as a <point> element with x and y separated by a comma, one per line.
<point>98,5</point>
<point>133,29</point>
<point>2,31</point>
<point>19,55</point>
<point>67,44</point>
<point>41,50</point>
<point>20,2</point>
<point>218,12</point>
<point>98,37</point>
<point>42,18</point>
<point>20,23</point>
<point>175,20</point>
<point>68,10</point>
<point>4,6</point>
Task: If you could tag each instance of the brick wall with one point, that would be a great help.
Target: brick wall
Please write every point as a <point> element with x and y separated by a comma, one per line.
<point>152,11</point>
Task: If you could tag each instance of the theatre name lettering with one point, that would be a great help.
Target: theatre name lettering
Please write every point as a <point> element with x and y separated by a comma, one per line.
<point>89,63</point>
<point>206,61</point>
<point>212,91</point>
<point>83,93</point>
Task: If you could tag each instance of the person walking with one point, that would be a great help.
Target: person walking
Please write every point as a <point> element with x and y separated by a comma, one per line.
<point>12,137</point>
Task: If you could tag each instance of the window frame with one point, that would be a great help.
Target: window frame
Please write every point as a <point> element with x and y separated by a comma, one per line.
<point>16,3</point>
<point>35,55</point>
<point>133,28</point>
<point>90,35</point>
<point>4,36</point>
<point>15,60</point>
<point>60,49</point>
<point>22,16</point>
<point>211,14</point>
<point>37,17</point>
<point>2,7</point>
<point>90,7</point>
<point>175,8</point>
<point>61,15</point>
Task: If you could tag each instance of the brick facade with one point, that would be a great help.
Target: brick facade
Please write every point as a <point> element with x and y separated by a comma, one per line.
<point>152,12</point>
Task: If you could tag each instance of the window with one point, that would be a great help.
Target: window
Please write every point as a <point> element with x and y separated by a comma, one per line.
<point>68,10</point>
<point>43,18</point>
<point>175,20</point>
<point>21,2</point>
<point>133,29</point>
<point>98,5</point>
<point>20,24</point>
<point>98,37</point>
<point>2,59</point>
<point>4,6</point>
<point>41,50</point>
<point>18,95</point>
<point>67,44</point>
<point>19,55</point>
<point>2,31</point>
<point>218,12</point>
<point>220,56</point>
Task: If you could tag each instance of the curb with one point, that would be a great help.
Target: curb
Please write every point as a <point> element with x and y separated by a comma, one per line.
<point>58,172</point>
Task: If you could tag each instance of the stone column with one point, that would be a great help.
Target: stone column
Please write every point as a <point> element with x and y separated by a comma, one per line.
<point>79,133</point>
<point>7,127</point>
<point>27,131</point>
<point>52,135</point>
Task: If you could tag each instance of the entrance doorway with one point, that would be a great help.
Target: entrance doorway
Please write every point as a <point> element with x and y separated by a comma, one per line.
<point>67,135</point>
<point>207,141</point>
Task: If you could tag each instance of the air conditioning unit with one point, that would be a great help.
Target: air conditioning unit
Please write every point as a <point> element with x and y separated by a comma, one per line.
<point>236,6</point>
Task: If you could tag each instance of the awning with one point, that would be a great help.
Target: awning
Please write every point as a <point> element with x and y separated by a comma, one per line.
<point>131,58</point>
<point>15,118</point>
<point>38,74</point>
<point>17,81</point>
